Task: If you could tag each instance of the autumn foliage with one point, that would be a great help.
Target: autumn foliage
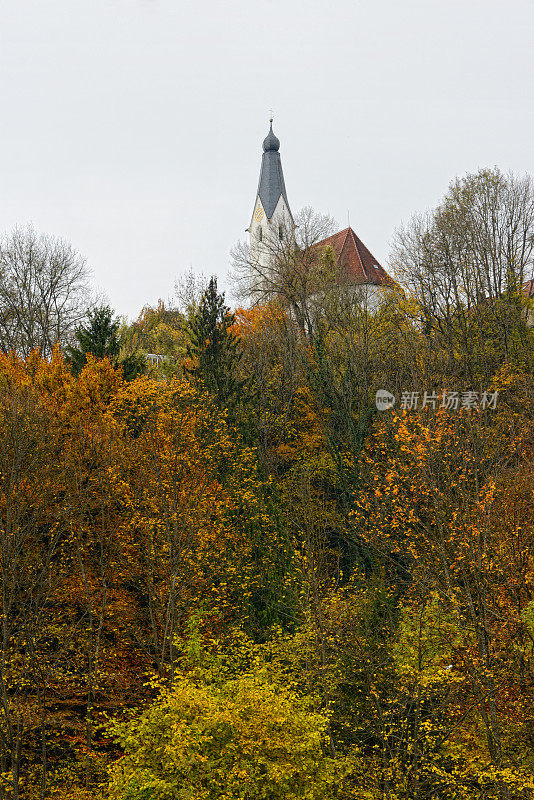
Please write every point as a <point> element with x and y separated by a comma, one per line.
<point>261,586</point>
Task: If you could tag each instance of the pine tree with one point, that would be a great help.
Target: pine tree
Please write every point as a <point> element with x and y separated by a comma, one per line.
<point>214,349</point>
<point>98,338</point>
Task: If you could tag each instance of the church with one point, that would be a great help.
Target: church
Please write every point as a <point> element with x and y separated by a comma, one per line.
<point>272,225</point>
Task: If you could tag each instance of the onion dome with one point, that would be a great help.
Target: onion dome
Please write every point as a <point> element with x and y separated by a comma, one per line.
<point>271,142</point>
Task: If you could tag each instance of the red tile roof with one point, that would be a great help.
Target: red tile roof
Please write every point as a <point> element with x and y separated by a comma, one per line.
<point>358,264</point>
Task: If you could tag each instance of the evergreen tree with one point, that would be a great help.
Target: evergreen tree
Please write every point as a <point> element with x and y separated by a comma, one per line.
<point>214,349</point>
<point>132,365</point>
<point>99,338</point>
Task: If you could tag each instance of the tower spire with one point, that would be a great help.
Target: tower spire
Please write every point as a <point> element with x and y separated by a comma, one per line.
<point>271,186</point>
<point>272,222</point>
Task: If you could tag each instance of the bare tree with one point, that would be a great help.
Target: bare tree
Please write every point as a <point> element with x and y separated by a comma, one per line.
<point>188,291</point>
<point>43,291</point>
<point>285,267</point>
<point>466,261</point>
<point>477,244</point>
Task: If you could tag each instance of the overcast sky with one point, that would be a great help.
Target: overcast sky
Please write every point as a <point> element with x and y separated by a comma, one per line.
<point>133,128</point>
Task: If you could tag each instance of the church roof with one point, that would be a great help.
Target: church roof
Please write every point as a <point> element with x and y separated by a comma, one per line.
<point>271,186</point>
<point>355,259</point>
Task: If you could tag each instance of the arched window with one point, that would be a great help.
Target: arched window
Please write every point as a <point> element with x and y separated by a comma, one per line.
<point>260,234</point>
<point>281,232</point>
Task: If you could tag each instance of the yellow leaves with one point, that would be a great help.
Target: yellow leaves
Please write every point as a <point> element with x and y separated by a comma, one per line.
<point>246,732</point>
<point>509,377</point>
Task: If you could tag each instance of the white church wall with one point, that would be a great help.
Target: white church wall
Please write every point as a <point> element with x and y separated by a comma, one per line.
<point>274,234</point>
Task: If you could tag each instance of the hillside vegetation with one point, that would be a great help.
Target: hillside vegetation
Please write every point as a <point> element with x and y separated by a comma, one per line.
<point>233,577</point>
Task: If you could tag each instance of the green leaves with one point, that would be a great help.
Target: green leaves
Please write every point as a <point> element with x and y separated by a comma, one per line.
<point>100,338</point>
<point>97,338</point>
<point>213,349</point>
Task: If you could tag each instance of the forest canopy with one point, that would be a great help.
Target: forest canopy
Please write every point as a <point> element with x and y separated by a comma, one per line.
<point>228,574</point>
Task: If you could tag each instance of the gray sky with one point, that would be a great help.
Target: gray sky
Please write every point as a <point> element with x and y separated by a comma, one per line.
<point>133,128</point>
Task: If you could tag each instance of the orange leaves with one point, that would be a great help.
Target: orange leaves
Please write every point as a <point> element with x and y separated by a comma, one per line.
<point>152,508</point>
<point>305,436</point>
<point>249,321</point>
<point>447,508</point>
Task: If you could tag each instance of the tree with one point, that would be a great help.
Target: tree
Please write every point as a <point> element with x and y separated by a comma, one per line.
<point>30,539</point>
<point>157,330</point>
<point>248,737</point>
<point>213,348</point>
<point>43,291</point>
<point>451,512</point>
<point>99,338</point>
<point>272,358</point>
<point>288,269</point>
<point>188,291</point>
<point>465,263</point>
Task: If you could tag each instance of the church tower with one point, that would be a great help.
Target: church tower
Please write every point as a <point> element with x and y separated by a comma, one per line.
<point>272,225</point>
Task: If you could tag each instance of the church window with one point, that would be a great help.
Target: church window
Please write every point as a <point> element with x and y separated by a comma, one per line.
<point>281,233</point>
<point>260,234</point>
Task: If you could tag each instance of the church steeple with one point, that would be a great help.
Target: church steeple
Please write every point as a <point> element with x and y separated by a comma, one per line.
<point>272,222</point>
<point>271,185</point>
